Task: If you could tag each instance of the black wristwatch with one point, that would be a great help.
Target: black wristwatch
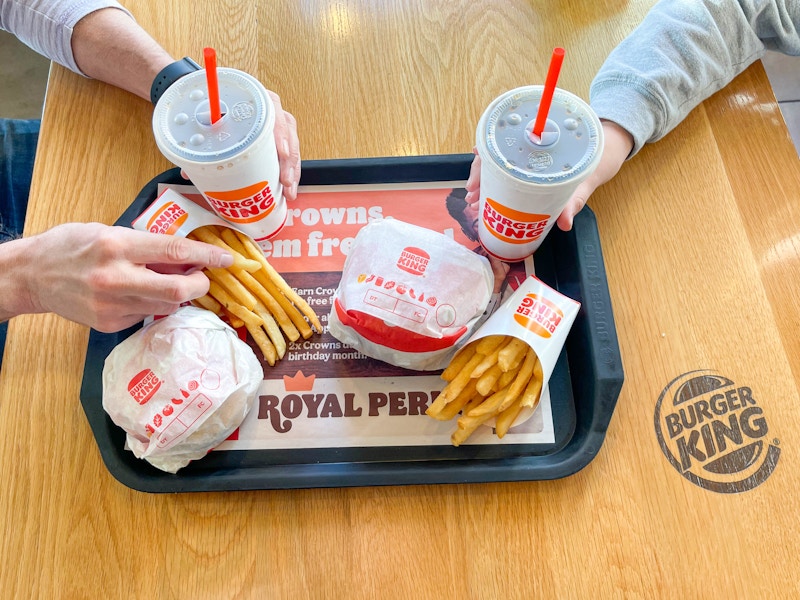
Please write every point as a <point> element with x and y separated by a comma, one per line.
<point>169,75</point>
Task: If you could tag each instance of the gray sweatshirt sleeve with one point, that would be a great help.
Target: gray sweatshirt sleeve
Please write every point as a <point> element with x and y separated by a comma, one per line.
<point>46,25</point>
<point>683,52</point>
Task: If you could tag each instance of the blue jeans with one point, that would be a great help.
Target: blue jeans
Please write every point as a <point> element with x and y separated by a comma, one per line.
<point>18,140</point>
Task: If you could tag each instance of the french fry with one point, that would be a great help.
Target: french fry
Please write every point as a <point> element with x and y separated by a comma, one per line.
<point>459,382</point>
<point>495,377</point>
<point>489,406</point>
<point>271,328</point>
<point>506,378</point>
<point>224,298</point>
<point>252,294</point>
<point>487,363</point>
<point>235,321</point>
<point>506,418</point>
<point>294,315</point>
<point>209,236</point>
<point>460,402</point>
<point>466,427</point>
<point>488,344</point>
<point>284,287</point>
<point>459,361</point>
<point>263,342</point>
<point>520,380</point>
<point>208,303</point>
<point>488,379</point>
<point>271,304</point>
<point>511,354</point>
<point>233,286</point>
<point>533,390</point>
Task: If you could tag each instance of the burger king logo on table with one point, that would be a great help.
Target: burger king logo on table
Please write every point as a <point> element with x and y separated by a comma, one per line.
<point>714,433</point>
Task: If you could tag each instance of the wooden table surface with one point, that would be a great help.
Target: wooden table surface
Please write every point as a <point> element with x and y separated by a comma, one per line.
<point>701,238</point>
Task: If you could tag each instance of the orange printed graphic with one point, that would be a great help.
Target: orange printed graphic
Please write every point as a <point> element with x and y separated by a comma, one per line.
<point>539,315</point>
<point>143,386</point>
<point>243,205</point>
<point>513,226</point>
<point>413,260</point>
<point>167,219</point>
<point>299,382</point>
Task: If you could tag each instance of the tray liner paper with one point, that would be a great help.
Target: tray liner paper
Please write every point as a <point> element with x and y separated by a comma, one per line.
<point>323,393</point>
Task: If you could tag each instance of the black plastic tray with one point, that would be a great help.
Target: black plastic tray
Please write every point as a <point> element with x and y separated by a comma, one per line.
<point>584,386</point>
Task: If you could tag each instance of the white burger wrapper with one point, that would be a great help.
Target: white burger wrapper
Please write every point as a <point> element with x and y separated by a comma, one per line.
<point>180,386</point>
<point>409,296</point>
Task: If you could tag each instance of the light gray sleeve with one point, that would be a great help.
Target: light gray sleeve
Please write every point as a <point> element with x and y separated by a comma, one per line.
<point>46,25</point>
<point>683,52</point>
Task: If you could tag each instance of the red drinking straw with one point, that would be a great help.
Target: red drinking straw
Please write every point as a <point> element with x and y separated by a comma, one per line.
<point>210,58</point>
<point>549,88</point>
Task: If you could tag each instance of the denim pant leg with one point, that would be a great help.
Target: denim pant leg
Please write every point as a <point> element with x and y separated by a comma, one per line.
<point>18,140</point>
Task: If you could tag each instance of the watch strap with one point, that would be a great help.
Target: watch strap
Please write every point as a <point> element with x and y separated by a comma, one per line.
<point>169,75</point>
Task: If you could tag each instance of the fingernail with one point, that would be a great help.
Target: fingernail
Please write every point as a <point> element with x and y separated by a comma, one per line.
<point>294,190</point>
<point>225,260</point>
<point>286,146</point>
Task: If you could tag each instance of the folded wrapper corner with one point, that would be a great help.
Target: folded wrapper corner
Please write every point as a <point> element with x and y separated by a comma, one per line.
<point>409,296</point>
<point>180,386</point>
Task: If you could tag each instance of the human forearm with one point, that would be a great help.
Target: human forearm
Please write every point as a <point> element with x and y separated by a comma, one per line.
<point>682,53</point>
<point>15,299</point>
<point>106,277</point>
<point>110,46</point>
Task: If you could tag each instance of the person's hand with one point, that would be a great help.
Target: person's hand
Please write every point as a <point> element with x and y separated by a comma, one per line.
<point>288,144</point>
<point>99,276</point>
<point>500,270</point>
<point>617,146</point>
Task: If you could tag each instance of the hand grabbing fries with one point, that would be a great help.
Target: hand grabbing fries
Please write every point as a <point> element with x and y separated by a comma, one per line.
<point>251,293</point>
<point>493,377</point>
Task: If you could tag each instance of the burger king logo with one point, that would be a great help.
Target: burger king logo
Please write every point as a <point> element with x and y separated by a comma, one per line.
<point>714,433</point>
<point>167,219</point>
<point>244,205</point>
<point>513,226</point>
<point>143,386</point>
<point>539,315</point>
<point>413,260</point>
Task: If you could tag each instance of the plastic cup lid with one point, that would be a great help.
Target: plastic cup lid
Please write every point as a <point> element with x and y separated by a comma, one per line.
<point>182,119</point>
<point>568,146</point>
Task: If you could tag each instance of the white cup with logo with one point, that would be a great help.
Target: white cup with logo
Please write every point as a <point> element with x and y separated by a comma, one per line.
<point>233,162</point>
<point>527,180</point>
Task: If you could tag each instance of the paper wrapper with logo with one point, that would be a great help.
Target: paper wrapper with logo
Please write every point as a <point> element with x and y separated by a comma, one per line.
<point>408,295</point>
<point>179,387</point>
<point>174,214</point>
<point>498,376</point>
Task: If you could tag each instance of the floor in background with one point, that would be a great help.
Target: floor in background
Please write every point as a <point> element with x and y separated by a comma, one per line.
<point>25,74</point>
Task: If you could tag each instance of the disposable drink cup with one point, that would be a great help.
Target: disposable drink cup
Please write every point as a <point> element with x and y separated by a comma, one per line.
<point>233,162</point>
<point>526,180</point>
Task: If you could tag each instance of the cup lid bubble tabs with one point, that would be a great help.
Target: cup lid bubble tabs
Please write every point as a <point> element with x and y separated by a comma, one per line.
<point>568,146</point>
<point>183,116</point>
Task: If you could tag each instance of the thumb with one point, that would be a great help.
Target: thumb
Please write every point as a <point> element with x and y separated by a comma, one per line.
<point>578,200</point>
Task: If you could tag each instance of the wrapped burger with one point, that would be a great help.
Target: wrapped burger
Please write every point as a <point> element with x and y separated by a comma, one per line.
<point>180,386</point>
<point>409,296</point>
